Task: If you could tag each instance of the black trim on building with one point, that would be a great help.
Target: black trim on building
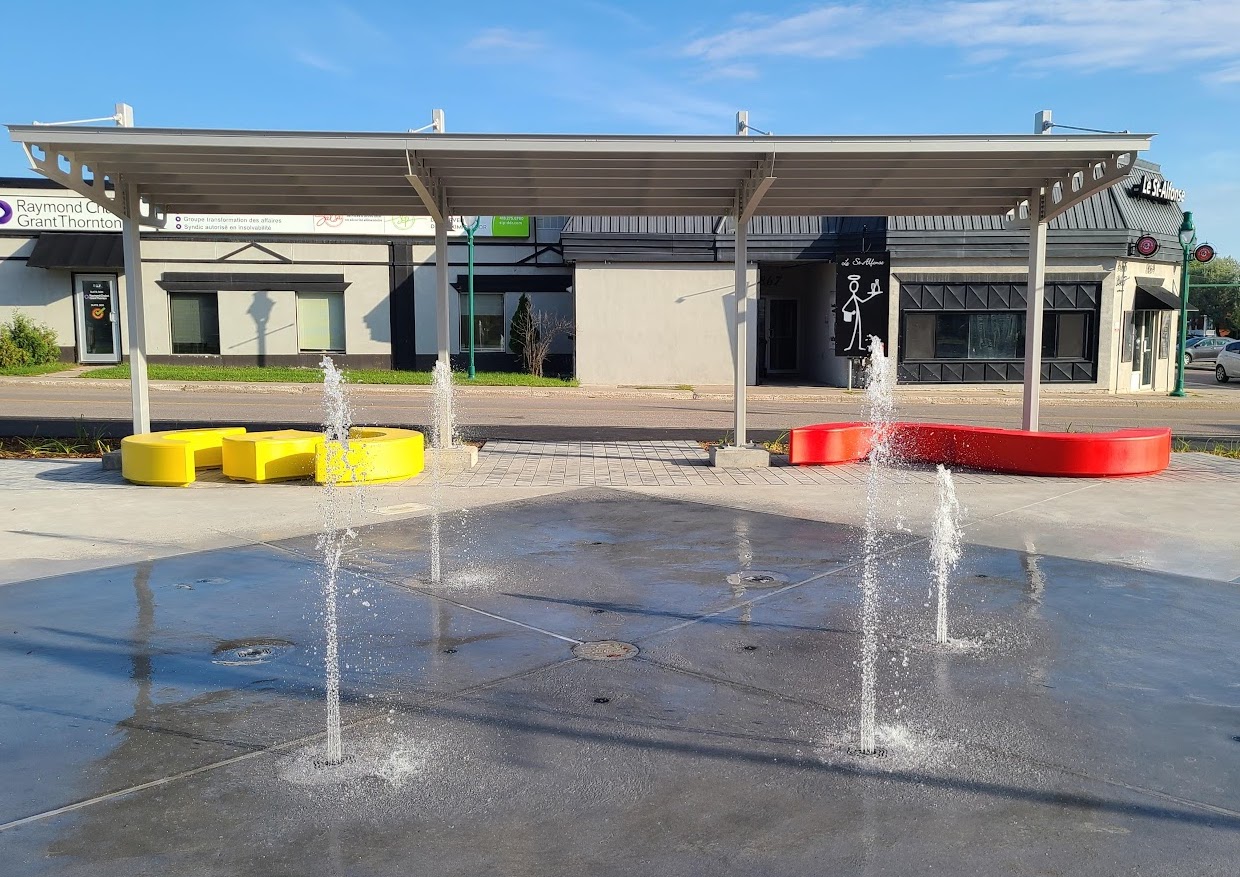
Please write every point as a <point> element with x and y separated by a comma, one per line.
<point>514,282</point>
<point>227,281</point>
<point>401,313</point>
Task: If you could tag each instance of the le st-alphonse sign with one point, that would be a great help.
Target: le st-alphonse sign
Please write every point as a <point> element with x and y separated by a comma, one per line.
<point>1156,189</point>
<point>862,302</point>
<point>20,211</point>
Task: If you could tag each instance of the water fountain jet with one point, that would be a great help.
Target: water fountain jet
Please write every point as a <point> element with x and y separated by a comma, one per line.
<point>944,546</point>
<point>880,396</point>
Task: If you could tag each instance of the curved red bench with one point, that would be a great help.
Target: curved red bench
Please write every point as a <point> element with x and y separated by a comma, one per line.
<point>1070,454</point>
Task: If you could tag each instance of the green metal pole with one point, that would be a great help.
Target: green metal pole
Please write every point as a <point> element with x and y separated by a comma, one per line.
<point>1179,366</point>
<point>473,329</point>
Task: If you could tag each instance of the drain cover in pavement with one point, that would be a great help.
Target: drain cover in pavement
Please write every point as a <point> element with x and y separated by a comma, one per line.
<point>605,650</point>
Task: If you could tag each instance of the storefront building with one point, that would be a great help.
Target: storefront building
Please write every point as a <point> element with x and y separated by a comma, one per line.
<point>649,298</point>
<point>275,290</point>
<point>957,287</point>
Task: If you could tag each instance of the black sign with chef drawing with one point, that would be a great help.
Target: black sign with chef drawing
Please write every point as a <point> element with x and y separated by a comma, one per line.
<point>862,302</point>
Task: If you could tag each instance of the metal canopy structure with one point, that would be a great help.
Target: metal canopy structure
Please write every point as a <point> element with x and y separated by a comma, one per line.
<point>144,174</point>
<point>282,172</point>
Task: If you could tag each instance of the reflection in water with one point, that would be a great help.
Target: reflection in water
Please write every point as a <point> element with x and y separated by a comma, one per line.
<point>1038,672</point>
<point>144,628</point>
<point>744,557</point>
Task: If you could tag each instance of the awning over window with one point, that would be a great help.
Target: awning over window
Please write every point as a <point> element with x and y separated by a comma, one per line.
<point>68,249</point>
<point>1153,296</point>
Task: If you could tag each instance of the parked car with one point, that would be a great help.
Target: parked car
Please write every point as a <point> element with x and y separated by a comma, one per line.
<point>1205,349</point>
<point>1228,365</point>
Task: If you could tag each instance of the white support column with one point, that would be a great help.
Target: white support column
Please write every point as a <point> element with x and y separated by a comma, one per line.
<point>443,312</point>
<point>740,334</point>
<point>1036,290</point>
<point>443,321</point>
<point>132,243</point>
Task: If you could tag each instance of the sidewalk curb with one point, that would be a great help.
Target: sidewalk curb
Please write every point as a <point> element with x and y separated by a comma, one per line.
<point>825,395</point>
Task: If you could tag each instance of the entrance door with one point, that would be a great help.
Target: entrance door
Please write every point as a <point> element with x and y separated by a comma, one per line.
<point>1143,349</point>
<point>98,318</point>
<point>781,335</point>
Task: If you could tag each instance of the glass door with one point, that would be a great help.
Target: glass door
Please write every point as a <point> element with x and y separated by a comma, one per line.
<point>1143,339</point>
<point>98,318</point>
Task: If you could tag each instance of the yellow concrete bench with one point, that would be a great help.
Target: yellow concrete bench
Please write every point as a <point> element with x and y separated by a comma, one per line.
<point>375,454</point>
<point>271,456</point>
<point>168,459</point>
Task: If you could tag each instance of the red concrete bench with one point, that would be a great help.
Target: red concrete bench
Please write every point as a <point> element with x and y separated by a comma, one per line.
<point>1069,454</point>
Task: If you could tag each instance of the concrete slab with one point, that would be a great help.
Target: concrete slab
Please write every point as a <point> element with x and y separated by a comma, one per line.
<point>732,457</point>
<point>1094,731</point>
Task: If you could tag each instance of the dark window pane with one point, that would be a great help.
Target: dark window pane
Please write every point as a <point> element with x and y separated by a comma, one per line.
<point>951,336</point>
<point>488,321</point>
<point>919,336</point>
<point>996,336</point>
<point>1050,326</point>
<point>195,322</point>
<point>1071,341</point>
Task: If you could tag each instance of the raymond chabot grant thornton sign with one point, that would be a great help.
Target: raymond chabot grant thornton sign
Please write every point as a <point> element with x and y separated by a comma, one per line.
<point>70,212</point>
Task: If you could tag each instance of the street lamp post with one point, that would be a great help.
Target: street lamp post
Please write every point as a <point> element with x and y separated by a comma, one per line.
<point>1188,236</point>
<point>473,329</point>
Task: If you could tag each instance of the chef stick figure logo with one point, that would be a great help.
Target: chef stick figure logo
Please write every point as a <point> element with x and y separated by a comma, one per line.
<point>852,307</point>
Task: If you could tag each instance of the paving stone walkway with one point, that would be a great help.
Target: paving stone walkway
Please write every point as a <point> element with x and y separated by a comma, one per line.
<point>603,464</point>
<point>686,464</point>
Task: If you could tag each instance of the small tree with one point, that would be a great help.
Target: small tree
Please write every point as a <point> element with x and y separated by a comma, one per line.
<point>545,329</point>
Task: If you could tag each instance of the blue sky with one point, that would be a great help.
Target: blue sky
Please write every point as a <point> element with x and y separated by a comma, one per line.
<point>1170,67</point>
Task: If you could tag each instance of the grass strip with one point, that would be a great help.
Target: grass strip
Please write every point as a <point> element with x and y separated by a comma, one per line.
<point>294,375</point>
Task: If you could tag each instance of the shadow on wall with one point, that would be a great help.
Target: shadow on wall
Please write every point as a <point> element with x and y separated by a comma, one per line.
<point>260,310</point>
<point>379,321</point>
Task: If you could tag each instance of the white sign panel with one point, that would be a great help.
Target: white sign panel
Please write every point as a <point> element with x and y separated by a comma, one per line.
<point>71,212</point>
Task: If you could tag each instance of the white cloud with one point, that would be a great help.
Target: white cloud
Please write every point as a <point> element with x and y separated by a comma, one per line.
<point>508,41</point>
<point>733,71</point>
<point>1092,35</point>
<point>319,62</point>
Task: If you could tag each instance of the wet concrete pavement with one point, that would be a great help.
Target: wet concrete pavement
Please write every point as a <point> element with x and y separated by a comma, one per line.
<point>1093,728</point>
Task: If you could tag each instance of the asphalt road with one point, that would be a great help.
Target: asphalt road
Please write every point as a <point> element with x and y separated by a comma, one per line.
<point>56,407</point>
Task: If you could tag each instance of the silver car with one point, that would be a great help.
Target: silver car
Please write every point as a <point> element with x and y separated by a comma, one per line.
<point>1205,350</point>
<point>1228,365</point>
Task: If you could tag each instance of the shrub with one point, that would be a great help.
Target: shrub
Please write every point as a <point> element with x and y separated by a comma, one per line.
<point>25,342</point>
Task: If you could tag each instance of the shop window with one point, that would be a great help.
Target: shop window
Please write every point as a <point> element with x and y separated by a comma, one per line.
<point>1065,336</point>
<point>996,336</point>
<point>919,336</point>
<point>488,321</point>
<point>320,322</point>
<point>195,318</point>
<point>951,336</point>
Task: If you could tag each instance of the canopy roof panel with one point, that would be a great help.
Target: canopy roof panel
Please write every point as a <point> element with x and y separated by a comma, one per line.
<point>281,172</point>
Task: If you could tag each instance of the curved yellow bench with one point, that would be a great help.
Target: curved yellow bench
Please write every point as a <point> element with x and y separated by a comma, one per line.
<point>277,455</point>
<point>375,454</point>
<point>168,459</point>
